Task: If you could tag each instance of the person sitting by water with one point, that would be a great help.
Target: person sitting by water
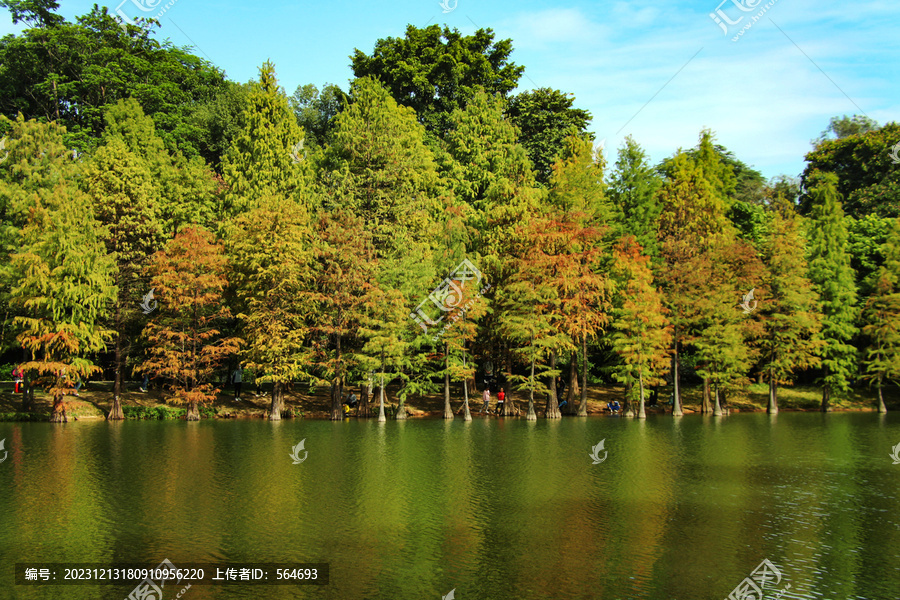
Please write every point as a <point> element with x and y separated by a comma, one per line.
<point>614,406</point>
<point>352,400</point>
<point>563,403</point>
<point>346,410</point>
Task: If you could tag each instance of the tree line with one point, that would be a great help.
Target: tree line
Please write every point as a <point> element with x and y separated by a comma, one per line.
<point>318,237</point>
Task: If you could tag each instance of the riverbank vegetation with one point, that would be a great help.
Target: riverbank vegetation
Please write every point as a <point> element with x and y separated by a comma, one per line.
<point>423,235</point>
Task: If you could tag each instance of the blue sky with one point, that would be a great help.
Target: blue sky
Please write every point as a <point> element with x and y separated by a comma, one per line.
<point>659,71</point>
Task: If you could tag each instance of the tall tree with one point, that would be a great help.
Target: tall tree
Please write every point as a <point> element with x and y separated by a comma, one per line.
<point>881,320</point>
<point>633,190</point>
<point>790,311</point>
<point>844,126</point>
<point>642,336</point>
<point>834,280</point>
<point>316,110</point>
<point>868,180</point>
<point>273,276</point>
<point>577,252</point>
<point>264,159</point>
<point>379,169</point>
<point>62,291</point>
<point>345,272</point>
<point>185,334</point>
<point>694,200</point>
<point>544,118</point>
<point>436,71</point>
<point>71,72</point>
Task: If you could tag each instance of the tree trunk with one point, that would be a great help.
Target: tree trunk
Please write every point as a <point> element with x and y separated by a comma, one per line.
<point>448,412</point>
<point>467,414</point>
<point>116,413</point>
<point>117,385</point>
<point>706,405</point>
<point>677,410</point>
<point>531,416</point>
<point>277,401</point>
<point>27,394</point>
<point>552,411</point>
<point>573,384</point>
<point>337,396</point>
<point>718,410</point>
<point>676,376</point>
<point>881,407</point>
<point>772,409</point>
<point>193,413</point>
<point>59,410</point>
<point>381,417</point>
<point>641,413</point>
<point>582,408</point>
<point>826,397</point>
<point>627,405</point>
<point>401,410</point>
<point>365,410</point>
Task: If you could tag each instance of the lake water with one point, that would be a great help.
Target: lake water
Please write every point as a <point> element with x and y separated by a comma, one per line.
<point>680,509</point>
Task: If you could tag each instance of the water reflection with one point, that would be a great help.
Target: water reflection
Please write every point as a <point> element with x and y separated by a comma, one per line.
<point>495,508</point>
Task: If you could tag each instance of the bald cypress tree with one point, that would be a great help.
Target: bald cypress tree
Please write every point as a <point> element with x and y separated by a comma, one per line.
<point>266,158</point>
<point>835,282</point>
<point>881,319</point>
<point>790,312</point>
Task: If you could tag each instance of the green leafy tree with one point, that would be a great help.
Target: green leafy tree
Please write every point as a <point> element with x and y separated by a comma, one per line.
<point>62,291</point>
<point>834,280</point>
<point>844,126</point>
<point>187,345</point>
<point>642,335</point>
<point>35,164</point>
<point>633,191</point>
<point>881,320</point>
<point>694,204</point>
<point>790,311</point>
<point>264,159</point>
<point>126,202</point>
<point>868,180</point>
<point>272,261</point>
<point>316,110</point>
<point>38,13</point>
<point>436,71</point>
<point>345,272</point>
<point>544,118</point>
<point>577,253</point>
<point>379,169</point>
<point>71,72</point>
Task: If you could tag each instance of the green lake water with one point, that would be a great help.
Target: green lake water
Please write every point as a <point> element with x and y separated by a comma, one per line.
<point>680,509</point>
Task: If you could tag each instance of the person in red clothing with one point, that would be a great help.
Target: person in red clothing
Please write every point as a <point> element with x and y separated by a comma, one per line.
<point>501,398</point>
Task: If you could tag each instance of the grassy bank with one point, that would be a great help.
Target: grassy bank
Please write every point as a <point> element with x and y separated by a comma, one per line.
<point>95,399</point>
